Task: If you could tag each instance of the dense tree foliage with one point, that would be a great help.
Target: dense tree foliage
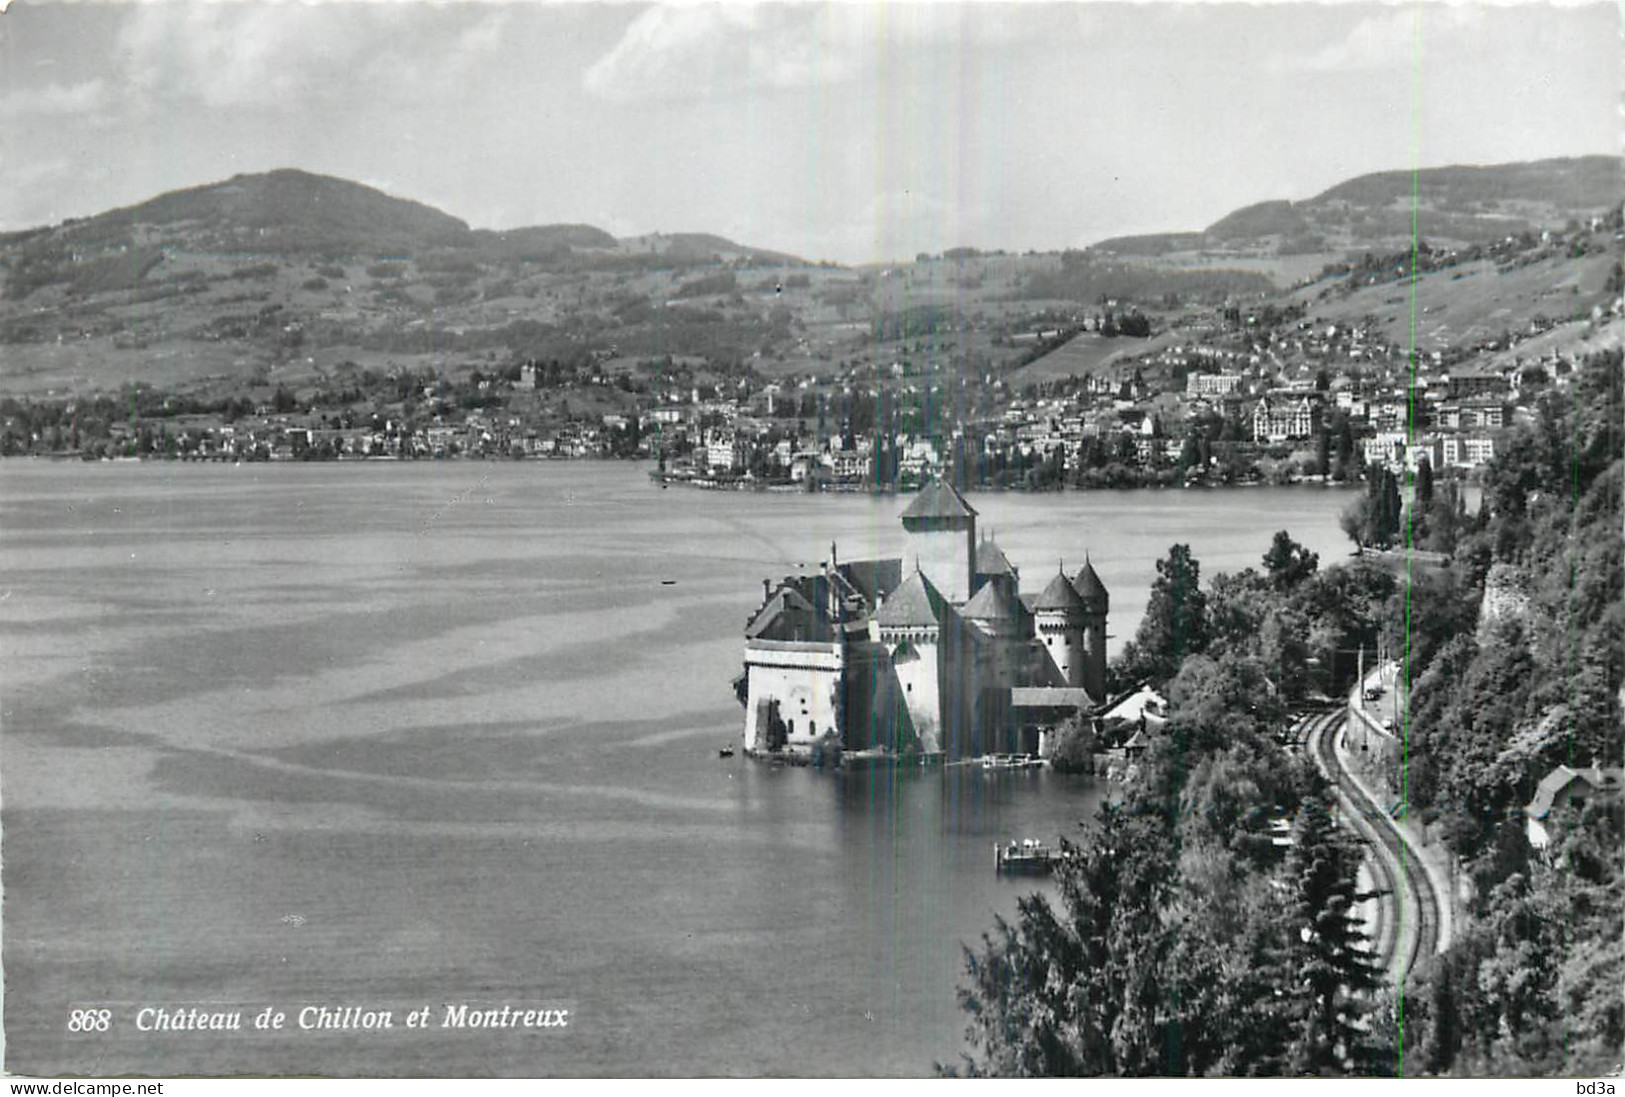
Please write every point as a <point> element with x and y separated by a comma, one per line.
<point>1182,946</point>
<point>1500,696</point>
<point>1377,519</point>
<point>1289,563</point>
<point>1330,966</point>
<point>1175,622</point>
<point>1503,695</point>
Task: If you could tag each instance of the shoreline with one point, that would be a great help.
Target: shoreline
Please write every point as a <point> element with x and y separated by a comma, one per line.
<point>704,484</point>
<point>790,487</point>
<point>666,481</point>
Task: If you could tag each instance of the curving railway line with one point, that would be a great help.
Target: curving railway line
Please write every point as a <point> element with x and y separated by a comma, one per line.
<point>1409,924</point>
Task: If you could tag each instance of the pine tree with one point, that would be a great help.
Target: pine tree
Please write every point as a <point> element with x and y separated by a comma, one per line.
<point>1368,511</point>
<point>1190,453</point>
<point>1329,969</point>
<point>1393,509</point>
<point>1347,456</point>
<point>1038,999</point>
<point>1289,563</point>
<point>1175,622</point>
<point>1078,991</point>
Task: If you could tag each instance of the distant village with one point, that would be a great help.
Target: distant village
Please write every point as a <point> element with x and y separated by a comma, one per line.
<point>1245,395</point>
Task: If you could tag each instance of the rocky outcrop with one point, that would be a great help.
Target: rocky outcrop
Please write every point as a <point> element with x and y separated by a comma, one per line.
<point>1506,598</point>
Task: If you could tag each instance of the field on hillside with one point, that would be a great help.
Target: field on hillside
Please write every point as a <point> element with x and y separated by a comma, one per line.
<point>41,369</point>
<point>1285,271</point>
<point>1574,339</point>
<point>1088,352</point>
<point>209,369</point>
<point>195,319</point>
<point>1470,303</point>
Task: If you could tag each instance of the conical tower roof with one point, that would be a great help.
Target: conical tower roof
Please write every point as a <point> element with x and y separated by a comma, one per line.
<point>916,603</point>
<point>1060,595</point>
<point>1091,589</point>
<point>991,560</point>
<point>994,602</point>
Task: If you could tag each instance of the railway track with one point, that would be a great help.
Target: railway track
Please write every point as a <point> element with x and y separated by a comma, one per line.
<point>1409,929</point>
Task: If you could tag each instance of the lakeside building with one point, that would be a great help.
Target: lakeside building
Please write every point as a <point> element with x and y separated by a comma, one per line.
<point>1286,419</point>
<point>1212,384</point>
<point>943,656</point>
<point>1400,452</point>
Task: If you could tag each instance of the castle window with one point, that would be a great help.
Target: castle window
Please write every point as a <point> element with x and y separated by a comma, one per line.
<point>812,728</point>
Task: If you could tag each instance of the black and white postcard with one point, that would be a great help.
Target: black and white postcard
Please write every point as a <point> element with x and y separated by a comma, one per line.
<point>867,539</point>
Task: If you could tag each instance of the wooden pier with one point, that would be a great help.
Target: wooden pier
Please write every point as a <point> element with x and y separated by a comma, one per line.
<point>1028,857</point>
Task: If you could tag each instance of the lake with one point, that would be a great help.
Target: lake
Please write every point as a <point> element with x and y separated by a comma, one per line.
<point>396,737</point>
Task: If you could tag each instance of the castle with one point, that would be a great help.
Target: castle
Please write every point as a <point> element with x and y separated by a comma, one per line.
<point>944,657</point>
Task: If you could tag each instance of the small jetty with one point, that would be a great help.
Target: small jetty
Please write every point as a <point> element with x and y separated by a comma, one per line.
<point>1028,857</point>
<point>1012,761</point>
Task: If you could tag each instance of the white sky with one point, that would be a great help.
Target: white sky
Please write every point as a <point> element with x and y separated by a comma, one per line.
<point>854,131</point>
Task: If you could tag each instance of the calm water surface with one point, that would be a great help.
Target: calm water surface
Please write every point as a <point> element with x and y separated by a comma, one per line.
<point>397,736</point>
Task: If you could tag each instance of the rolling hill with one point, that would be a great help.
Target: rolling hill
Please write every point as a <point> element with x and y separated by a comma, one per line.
<point>283,212</point>
<point>1453,205</point>
<point>289,215</point>
<point>287,274</point>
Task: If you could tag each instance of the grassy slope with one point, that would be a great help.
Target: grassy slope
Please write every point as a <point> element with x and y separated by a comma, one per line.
<point>1469,303</point>
<point>1088,352</point>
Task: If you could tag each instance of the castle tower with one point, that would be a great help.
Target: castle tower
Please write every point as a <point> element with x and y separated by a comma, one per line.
<point>993,566</point>
<point>911,624</point>
<point>1096,603</point>
<point>996,610</point>
<point>1061,619</point>
<point>942,537</point>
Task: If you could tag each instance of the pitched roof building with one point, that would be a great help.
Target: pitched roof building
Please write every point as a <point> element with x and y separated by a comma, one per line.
<point>1566,787</point>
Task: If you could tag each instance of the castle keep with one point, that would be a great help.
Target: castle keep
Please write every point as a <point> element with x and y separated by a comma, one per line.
<point>941,656</point>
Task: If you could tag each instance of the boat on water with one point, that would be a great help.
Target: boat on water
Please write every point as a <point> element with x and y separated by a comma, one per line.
<point>725,752</point>
<point>1028,857</point>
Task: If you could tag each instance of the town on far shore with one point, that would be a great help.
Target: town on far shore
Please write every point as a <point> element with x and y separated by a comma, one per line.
<point>1260,395</point>
<point>1288,341</point>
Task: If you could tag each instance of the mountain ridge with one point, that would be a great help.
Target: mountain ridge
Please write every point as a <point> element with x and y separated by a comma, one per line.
<point>291,212</point>
<point>1458,203</point>
<point>289,275</point>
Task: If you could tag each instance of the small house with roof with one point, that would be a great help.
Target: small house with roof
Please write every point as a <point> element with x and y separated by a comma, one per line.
<point>941,656</point>
<point>1568,788</point>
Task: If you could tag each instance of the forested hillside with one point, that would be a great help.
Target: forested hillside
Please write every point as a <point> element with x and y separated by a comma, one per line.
<point>1533,986</point>
<point>1182,946</point>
